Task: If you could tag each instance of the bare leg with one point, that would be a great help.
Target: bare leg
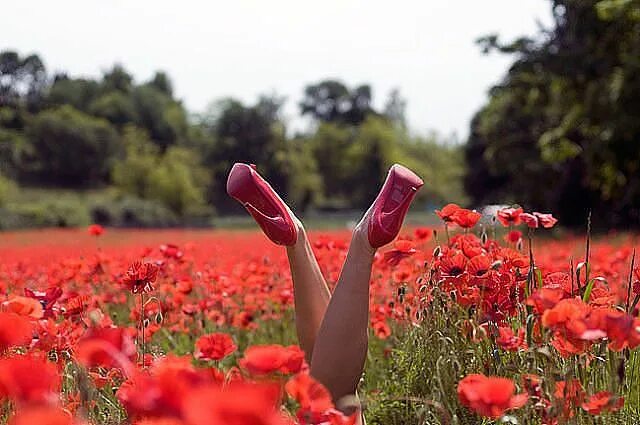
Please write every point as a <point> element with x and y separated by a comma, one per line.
<point>341,346</point>
<point>310,291</point>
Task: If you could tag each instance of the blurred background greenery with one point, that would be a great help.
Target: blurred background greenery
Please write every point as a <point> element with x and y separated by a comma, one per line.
<point>560,132</point>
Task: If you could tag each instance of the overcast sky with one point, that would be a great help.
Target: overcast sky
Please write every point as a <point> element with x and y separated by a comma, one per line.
<point>241,48</point>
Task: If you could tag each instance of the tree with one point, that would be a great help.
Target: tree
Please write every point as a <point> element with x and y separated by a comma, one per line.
<point>163,117</point>
<point>162,82</point>
<point>332,101</point>
<point>179,182</point>
<point>116,107</point>
<point>77,92</point>
<point>395,107</point>
<point>71,148</point>
<point>131,175</point>
<point>253,134</point>
<point>117,79</point>
<point>560,131</point>
<point>22,80</point>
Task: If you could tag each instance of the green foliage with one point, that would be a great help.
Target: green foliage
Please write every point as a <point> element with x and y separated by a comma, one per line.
<point>7,190</point>
<point>77,92</point>
<point>46,213</point>
<point>560,131</point>
<point>115,107</point>
<point>353,162</point>
<point>419,383</point>
<point>85,133</point>
<point>331,101</point>
<point>252,134</point>
<point>178,181</point>
<point>131,174</point>
<point>70,147</point>
<point>174,178</point>
<point>160,115</point>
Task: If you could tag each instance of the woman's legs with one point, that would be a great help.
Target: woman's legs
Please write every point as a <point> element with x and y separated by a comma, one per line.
<point>310,291</point>
<point>341,345</point>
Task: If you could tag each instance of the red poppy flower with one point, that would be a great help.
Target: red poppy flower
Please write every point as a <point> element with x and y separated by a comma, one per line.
<point>603,401</point>
<point>530,220</point>
<point>453,264</point>
<point>214,346</point>
<point>171,251</point>
<point>381,329</point>
<point>95,230</point>
<point>423,233</point>
<point>140,277</point>
<point>160,421</point>
<point>29,379</point>
<point>14,330</point>
<point>545,298</point>
<point>479,266</point>
<point>75,305</point>
<point>466,218</point>
<point>235,404</point>
<point>266,359</point>
<point>509,341</point>
<point>489,396</point>
<point>24,306</point>
<point>447,212</point>
<point>546,220</point>
<point>401,249</point>
<point>107,347</point>
<point>569,394</point>
<point>313,397</point>
<point>622,329</point>
<point>513,236</point>
<point>509,216</point>
<point>47,298</point>
<point>42,415</point>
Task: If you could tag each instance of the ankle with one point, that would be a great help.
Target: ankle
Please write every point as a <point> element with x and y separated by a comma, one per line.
<point>360,237</point>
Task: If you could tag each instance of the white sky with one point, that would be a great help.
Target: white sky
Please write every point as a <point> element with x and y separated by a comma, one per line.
<point>242,48</point>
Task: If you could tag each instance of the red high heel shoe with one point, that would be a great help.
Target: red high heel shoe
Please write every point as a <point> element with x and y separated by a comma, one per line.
<point>392,204</point>
<point>245,185</point>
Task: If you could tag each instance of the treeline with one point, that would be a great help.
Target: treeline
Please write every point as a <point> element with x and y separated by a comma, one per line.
<point>561,132</point>
<point>158,164</point>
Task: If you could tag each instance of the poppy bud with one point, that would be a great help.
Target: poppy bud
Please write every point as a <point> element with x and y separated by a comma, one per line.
<point>519,245</point>
<point>483,237</point>
<point>496,265</point>
<point>436,252</point>
<point>423,289</point>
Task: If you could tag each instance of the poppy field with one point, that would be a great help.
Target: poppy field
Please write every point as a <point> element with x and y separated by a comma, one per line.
<point>507,319</point>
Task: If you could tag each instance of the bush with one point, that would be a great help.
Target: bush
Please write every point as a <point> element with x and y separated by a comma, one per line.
<point>72,148</point>
<point>7,189</point>
<point>50,213</point>
<point>174,179</point>
<point>133,212</point>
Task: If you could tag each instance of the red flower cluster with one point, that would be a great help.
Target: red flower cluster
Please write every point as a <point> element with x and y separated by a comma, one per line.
<point>214,347</point>
<point>452,213</point>
<point>514,216</point>
<point>489,396</point>
<point>140,277</point>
